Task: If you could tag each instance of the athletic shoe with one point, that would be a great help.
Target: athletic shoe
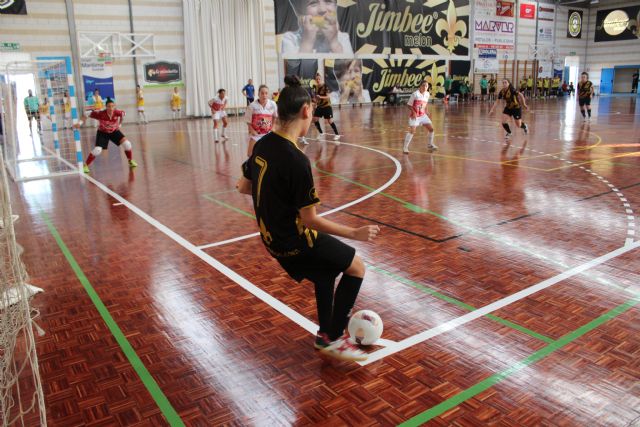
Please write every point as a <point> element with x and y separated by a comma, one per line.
<point>322,341</point>
<point>336,137</point>
<point>133,164</point>
<point>508,135</point>
<point>225,137</point>
<point>526,129</point>
<point>216,141</point>
<point>344,349</point>
<point>85,169</point>
<point>304,140</point>
<point>433,147</point>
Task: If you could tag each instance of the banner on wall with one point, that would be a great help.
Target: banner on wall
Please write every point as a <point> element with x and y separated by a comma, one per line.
<point>558,67</point>
<point>487,62</point>
<point>305,69</point>
<point>546,24</point>
<point>622,23</point>
<point>545,69</point>
<point>574,24</point>
<point>369,80</point>
<point>346,27</point>
<point>13,7</point>
<point>97,73</point>
<point>162,73</point>
<point>494,25</point>
<point>527,10</point>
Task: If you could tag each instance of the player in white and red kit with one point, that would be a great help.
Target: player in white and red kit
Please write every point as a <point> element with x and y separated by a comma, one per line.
<point>218,105</point>
<point>418,115</point>
<point>261,114</point>
<point>109,121</point>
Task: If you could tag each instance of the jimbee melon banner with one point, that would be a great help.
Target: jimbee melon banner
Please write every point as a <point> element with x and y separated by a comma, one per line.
<point>347,28</point>
<point>371,80</point>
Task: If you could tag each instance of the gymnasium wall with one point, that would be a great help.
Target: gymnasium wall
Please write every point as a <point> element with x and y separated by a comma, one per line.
<point>608,54</point>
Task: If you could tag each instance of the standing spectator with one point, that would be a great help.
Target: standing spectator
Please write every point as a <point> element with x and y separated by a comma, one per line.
<point>634,82</point>
<point>249,91</point>
<point>484,84</point>
<point>32,107</point>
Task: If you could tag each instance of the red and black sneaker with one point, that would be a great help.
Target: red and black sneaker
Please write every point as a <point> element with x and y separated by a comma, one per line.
<point>322,341</point>
<point>344,349</point>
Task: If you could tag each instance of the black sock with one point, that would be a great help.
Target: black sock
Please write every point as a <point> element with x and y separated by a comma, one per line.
<point>324,303</point>
<point>523,126</point>
<point>318,126</point>
<point>583,114</point>
<point>506,127</point>
<point>335,129</point>
<point>345,298</point>
<point>589,112</point>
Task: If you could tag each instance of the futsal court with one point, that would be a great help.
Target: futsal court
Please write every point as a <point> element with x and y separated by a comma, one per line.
<point>506,274</point>
<point>137,286</point>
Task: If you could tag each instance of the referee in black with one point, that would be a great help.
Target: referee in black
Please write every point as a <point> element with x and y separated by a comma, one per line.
<point>278,177</point>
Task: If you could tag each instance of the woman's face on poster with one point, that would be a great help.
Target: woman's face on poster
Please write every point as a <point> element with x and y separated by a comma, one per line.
<point>321,7</point>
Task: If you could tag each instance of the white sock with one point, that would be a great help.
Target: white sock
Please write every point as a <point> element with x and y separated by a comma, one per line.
<point>430,138</point>
<point>173,113</point>
<point>407,141</point>
<point>215,134</point>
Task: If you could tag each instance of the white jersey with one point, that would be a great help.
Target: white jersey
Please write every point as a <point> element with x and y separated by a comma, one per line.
<point>261,118</point>
<point>217,104</point>
<point>418,102</point>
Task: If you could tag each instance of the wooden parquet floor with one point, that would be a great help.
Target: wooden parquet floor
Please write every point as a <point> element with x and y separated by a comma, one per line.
<point>478,222</point>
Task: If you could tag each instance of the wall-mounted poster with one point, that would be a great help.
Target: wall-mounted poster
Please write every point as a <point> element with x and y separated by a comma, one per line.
<point>618,24</point>
<point>348,28</point>
<point>305,69</point>
<point>495,26</point>
<point>527,10</point>
<point>162,73</point>
<point>97,73</point>
<point>574,24</point>
<point>546,24</point>
<point>13,7</point>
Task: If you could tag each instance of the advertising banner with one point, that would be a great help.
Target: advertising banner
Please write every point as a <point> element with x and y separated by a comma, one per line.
<point>342,29</point>
<point>546,16</point>
<point>97,73</point>
<point>494,25</point>
<point>618,24</point>
<point>305,69</point>
<point>574,24</point>
<point>487,62</point>
<point>527,10</point>
<point>13,7</point>
<point>162,73</point>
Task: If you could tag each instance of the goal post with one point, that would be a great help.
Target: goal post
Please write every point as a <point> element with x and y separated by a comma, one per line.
<point>39,141</point>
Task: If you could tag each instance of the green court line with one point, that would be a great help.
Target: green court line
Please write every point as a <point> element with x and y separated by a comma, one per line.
<point>458,303</point>
<point>489,382</point>
<point>154,390</point>
<point>228,206</point>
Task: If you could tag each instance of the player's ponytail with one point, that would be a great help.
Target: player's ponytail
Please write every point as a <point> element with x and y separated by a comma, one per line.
<point>109,101</point>
<point>291,99</point>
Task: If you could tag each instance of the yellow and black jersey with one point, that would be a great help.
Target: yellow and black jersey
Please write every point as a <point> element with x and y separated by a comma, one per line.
<point>510,97</point>
<point>323,90</point>
<point>584,89</point>
<point>282,185</point>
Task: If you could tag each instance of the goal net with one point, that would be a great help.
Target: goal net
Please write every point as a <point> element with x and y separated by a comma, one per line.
<point>21,393</point>
<point>39,141</point>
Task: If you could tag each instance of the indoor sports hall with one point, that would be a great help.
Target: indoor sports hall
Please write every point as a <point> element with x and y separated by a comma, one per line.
<point>172,173</point>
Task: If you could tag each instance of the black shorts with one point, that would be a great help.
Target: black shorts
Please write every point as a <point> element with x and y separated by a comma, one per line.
<point>492,90</point>
<point>325,261</point>
<point>483,91</point>
<point>516,113</point>
<point>324,112</point>
<point>33,114</point>
<point>249,100</point>
<point>102,138</point>
<point>584,101</point>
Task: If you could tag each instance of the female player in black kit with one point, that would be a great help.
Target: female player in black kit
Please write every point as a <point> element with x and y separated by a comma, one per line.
<point>278,177</point>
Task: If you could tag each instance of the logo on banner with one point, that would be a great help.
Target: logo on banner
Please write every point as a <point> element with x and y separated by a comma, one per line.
<point>575,24</point>
<point>504,8</point>
<point>527,11</point>
<point>15,7</point>
<point>162,72</point>
<point>488,53</point>
<point>5,4</point>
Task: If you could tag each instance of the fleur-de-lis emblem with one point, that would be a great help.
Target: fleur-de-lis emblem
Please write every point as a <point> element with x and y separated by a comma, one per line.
<point>451,27</point>
<point>436,80</point>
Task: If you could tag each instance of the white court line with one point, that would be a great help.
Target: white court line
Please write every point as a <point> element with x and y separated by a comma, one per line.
<point>459,321</point>
<point>339,208</point>
<point>276,304</point>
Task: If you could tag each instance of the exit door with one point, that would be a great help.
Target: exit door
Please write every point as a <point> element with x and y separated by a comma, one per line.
<point>606,80</point>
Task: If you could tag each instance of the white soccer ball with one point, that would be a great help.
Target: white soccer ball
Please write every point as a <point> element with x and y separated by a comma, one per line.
<point>365,327</point>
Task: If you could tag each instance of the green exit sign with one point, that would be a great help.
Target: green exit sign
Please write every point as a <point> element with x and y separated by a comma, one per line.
<point>8,46</point>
